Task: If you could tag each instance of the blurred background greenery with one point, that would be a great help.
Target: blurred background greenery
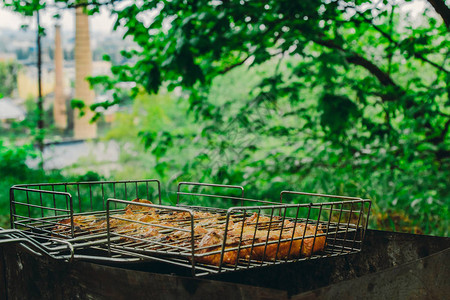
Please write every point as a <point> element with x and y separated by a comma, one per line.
<point>335,97</point>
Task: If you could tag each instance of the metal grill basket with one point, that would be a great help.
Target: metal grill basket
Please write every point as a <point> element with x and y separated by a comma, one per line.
<point>244,233</point>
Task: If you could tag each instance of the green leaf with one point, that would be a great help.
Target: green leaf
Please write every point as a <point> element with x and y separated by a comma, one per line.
<point>80,105</point>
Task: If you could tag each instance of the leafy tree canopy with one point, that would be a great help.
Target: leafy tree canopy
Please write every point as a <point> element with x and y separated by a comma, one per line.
<point>360,86</point>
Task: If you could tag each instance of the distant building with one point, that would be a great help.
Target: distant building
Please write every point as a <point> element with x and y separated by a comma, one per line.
<point>83,128</point>
<point>27,82</point>
<point>59,103</point>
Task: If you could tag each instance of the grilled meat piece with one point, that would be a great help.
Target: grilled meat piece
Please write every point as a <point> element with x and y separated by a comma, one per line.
<point>251,239</point>
<point>255,237</point>
<point>140,208</point>
<point>212,242</point>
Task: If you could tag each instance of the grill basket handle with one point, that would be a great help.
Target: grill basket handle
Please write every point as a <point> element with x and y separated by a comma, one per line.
<point>14,236</point>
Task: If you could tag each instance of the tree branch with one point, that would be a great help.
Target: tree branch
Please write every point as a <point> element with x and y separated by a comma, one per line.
<point>237,64</point>
<point>262,36</point>
<point>357,59</point>
<point>441,153</point>
<point>93,3</point>
<point>445,130</point>
<point>382,76</point>
<point>442,9</point>
<point>438,139</point>
<point>390,39</point>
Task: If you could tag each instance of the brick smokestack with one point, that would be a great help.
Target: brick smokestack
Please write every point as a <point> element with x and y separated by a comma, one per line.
<point>59,106</point>
<point>83,68</point>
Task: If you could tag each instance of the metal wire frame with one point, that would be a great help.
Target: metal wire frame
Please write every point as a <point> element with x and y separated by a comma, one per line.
<point>212,185</point>
<point>361,213</point>
<point>52,248</point>
<point>40,207</point>
<point>55,249</point>
<point>137,241</point>
<point>217,196</point>
<point>342,236</point>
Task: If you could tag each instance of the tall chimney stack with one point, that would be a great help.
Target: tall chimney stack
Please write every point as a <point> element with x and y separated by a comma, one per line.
<point>83,68</point>
<point>59,105</point>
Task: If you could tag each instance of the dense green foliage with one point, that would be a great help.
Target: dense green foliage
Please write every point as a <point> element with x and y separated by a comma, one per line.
<point>406,200</point>
<point>14,170</point>
<point>328,96</point>
<point>8,78</point>
<point>349,98</point>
